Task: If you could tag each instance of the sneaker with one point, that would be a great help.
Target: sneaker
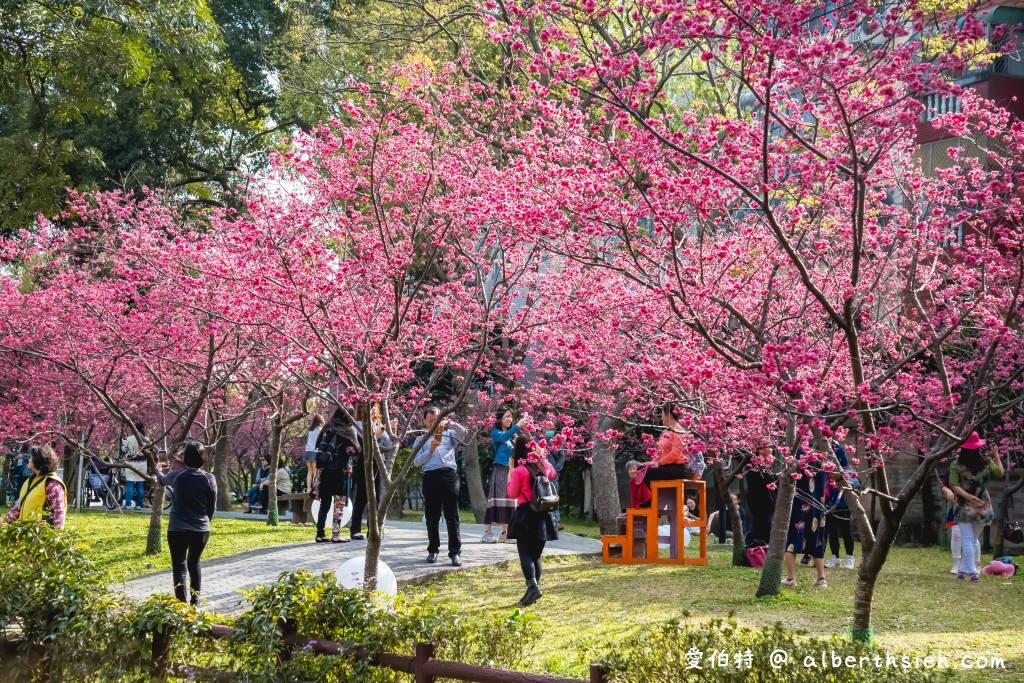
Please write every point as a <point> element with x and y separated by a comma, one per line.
<point>960,576</point>
<point>505,539</point>
<point>956,567</point>
<point>488,537</point>
<point>806,559</point>
<point>821,583</point>
<point>789,583</point>
<point>849,562</point>
<point>975,578</point>
<point>831,562</point>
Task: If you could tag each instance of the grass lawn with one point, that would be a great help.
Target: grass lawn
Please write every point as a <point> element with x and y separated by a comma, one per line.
<point>918,605</point>
<point>117,541</point>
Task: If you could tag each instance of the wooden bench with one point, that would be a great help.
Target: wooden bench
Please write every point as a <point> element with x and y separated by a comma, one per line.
<point>299,504</point>
<point>637,543</point>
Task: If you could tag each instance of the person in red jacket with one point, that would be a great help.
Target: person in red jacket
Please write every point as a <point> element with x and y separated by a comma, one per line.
<point>530,529</point>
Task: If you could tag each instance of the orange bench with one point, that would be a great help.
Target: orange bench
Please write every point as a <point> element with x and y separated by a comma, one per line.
<point>639,545</point>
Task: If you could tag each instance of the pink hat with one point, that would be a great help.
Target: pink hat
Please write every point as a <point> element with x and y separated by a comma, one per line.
<point>973,442</point>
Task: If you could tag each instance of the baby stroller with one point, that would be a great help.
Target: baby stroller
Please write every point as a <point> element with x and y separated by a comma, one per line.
<point>102,486</point>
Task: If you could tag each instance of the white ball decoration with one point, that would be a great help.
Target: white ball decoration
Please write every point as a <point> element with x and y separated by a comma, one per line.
<point>350,575</point>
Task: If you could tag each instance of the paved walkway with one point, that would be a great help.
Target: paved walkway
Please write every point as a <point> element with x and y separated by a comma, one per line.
<point>404,551</point>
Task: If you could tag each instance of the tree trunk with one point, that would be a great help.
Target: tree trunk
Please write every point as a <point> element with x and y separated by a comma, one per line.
<point>722,484</point>
<point>604,481</point>
<point>71,473</point>
<point>376,511</point>
<point>474,477</point>
<point>1000,513</point>
<point>221,453</point>
<point>867,576</point>
<point>154,538</point>
<point>771,575</point>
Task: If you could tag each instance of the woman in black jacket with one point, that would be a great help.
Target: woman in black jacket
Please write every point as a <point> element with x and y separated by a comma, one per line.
<point>194,496</point>
<point>337,448</point>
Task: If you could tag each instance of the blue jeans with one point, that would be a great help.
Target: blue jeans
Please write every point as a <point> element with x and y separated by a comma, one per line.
<point>254,496</point>
<point>134,490</point>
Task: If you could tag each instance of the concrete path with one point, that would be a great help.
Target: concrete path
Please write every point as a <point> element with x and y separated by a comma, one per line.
<point>405,551</point>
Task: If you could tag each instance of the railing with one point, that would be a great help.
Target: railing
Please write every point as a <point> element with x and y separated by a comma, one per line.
<point>936,104</point>
<point>423,667</point>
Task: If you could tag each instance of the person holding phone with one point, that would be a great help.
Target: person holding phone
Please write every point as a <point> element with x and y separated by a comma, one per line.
<point>441,483</point>
<point>194,499</point>
<point>969,478</point>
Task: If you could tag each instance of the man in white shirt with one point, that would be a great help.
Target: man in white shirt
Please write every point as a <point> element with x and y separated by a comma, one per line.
<point>441,484</point>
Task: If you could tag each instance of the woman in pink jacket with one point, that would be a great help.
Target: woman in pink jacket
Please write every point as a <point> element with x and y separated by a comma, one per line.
<point>530,529</point>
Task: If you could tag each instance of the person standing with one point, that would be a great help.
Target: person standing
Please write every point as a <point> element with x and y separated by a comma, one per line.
<point>310,455</point>
<point>385,446</point>
<point>135,483</point>
<point>838,519</point>
<point>969,478</point>
<point>43,495</point>
<point>194,499</point>
<point>557,459</point>
<point>806,532</point>
<point>761,493</point>
<point>499,506</point>
<point>441,483</point>
<point>336,447</point>
<point>530,528</point>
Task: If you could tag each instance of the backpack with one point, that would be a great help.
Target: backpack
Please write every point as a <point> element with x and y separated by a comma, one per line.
<point>333,451</point>
<point>543,496</point>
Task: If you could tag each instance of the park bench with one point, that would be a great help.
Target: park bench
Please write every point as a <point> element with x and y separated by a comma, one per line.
<point>299,504</point>
<point>637,542</point>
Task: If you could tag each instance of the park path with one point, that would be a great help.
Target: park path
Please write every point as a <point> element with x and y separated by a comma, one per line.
<point>404,551</point>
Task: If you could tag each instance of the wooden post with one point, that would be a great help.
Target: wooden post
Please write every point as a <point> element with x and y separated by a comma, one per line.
<point>161,650</point>
<point>287,628</point>
<point>597,674</point>
<point>424,653</point>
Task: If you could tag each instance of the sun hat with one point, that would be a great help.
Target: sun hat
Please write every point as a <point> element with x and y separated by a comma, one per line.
<point>973,442</point>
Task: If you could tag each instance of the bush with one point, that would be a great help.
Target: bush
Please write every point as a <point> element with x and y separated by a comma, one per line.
<point>61,620</point>
<point>666,652</point>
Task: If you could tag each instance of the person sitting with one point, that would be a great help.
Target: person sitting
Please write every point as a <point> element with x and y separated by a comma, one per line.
<point>283,484</point>
<point>714,520</point>
<point>672,460</point>
<point>262,474</point>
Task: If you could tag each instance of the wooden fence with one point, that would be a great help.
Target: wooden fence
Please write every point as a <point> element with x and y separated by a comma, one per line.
<point>423,667</point>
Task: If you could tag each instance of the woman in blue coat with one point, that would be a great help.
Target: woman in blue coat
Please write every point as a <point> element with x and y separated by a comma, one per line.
<point>500,507</point>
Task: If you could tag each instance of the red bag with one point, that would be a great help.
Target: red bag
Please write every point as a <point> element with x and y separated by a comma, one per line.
<point>755,555</point>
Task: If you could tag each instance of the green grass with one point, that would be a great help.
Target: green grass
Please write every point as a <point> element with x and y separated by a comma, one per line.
<point>117,542</point>
<point>918,605</point>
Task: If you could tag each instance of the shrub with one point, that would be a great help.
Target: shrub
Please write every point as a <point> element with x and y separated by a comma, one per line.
<point>63,622</point>
<point>665,653</point>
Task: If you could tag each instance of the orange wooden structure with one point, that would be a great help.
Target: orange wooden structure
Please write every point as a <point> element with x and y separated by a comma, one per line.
<point>639,545</point>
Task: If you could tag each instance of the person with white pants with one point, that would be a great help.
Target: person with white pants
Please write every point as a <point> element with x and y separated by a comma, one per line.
<point>955,547</point>
<point>969,477</point>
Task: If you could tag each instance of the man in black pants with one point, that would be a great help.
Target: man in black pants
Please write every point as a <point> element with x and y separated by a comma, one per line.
<point>441,484</point>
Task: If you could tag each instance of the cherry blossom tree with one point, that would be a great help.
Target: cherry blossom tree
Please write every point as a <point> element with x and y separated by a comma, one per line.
<point>117,308</point>
<point>791,229</point>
